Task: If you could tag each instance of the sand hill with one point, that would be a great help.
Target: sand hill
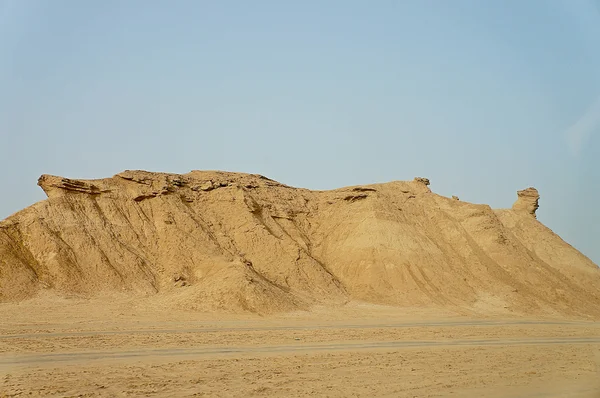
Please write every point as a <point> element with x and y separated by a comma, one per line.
<point>211,240</point>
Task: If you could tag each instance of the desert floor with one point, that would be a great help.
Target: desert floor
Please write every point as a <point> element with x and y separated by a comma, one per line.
<point>121,346</point>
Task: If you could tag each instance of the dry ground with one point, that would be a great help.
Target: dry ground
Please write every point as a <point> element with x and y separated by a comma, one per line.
<point>119,346</point>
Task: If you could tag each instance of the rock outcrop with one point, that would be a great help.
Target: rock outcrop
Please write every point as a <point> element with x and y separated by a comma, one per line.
<point>53,185</point>
<point>422,180</point>
<point>210,240</point>
<point>527,200</point>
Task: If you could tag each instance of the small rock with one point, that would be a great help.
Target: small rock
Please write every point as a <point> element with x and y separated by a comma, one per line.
<point>208,186</point>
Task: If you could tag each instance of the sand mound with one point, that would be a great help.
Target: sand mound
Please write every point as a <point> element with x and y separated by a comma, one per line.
<point>241,242</point>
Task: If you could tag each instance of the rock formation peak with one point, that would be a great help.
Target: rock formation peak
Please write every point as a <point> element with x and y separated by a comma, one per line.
<point>527,200</point>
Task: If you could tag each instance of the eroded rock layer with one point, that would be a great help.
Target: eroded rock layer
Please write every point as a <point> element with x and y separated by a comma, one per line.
<point>241,242</point>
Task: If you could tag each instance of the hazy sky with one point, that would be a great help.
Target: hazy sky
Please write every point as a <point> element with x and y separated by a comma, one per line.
<point>482,97</point>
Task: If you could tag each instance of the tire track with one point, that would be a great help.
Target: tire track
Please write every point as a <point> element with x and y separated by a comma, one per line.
<point>14,360</point>
<point>291,328</point>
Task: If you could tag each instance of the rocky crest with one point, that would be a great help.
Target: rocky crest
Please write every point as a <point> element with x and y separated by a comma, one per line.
<point>422,180</point>
<point>55,185</point>
<point>527,200</point>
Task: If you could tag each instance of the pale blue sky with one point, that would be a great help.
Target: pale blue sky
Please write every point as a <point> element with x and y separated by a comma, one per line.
<point>482,97</point>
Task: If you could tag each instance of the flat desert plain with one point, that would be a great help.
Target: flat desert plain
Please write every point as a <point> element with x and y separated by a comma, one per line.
<point>121,346</point>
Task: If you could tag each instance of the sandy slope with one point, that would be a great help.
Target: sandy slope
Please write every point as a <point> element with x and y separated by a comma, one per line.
<point>239,242</point>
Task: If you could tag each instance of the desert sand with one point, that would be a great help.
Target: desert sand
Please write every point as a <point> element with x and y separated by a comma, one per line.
<point>123,346</point>
<point>232,285</point>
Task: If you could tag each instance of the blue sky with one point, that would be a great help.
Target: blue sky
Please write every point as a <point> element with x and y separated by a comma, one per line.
<point>482,97</point>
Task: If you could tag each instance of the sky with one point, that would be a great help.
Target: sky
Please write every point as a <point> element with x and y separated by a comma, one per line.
<point>482,97</point>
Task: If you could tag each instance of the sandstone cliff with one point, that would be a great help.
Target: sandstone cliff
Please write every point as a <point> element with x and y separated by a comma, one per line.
<point>242,242</point>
